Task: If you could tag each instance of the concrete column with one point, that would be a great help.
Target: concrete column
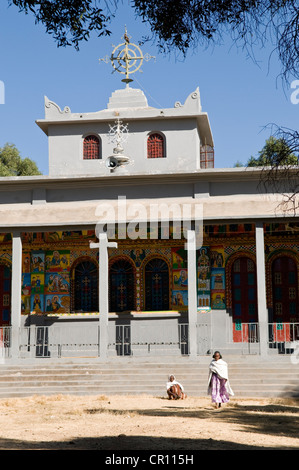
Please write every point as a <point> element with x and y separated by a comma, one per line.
<point>103,246</point>
<point>261,288</point>
<point>16,292</point>
<point>192,292</point>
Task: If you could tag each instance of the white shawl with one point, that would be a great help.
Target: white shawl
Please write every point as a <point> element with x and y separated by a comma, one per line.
<point>174,382</point>
<point>220,368</point>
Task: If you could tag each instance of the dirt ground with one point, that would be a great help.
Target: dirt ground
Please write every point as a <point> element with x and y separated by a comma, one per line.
<point>147,423</point>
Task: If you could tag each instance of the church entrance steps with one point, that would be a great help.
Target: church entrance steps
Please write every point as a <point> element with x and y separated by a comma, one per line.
<point>248,378</point>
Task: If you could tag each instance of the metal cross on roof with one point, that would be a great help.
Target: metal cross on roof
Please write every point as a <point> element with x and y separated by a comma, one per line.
<point>126,58</point>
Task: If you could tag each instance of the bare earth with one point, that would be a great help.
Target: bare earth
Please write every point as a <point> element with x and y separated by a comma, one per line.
<point>147,423</point>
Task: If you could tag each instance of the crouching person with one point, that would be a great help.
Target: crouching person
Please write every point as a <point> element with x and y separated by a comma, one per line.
<point>175,390</point>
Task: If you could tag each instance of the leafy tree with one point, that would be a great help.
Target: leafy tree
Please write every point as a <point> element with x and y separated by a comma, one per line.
<point>180,24</point>
<point>275,153</point>
<point>69,21</point>
<point>11,163</point>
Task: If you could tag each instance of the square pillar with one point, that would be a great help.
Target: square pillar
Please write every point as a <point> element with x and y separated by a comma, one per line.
<point>103,246</point>
<point>16,293</point>
<point>192,292</point>
<point>261,288</point>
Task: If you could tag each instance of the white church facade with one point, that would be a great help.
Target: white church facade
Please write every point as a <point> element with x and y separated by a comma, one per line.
<point>136,245</point>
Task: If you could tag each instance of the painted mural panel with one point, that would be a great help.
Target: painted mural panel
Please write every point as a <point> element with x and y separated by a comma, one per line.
<point>203,278</point>
<point>180,278</point>
<point>57,303</point>
<point>57,283</point>
<point>37,303</point>
<point>179,298</point>
<point>25,304</point>
<point>26,284</point>
<point>37,283</point>
<point>26,263</point>
<point>37,261</point>
<point>217,257</point>
<point>45,272</point>
<point>58,260</point>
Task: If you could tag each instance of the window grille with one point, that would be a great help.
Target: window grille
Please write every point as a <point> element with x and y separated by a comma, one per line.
<point>206,156</point>
<point>91,148</point>
<point>155,146</point>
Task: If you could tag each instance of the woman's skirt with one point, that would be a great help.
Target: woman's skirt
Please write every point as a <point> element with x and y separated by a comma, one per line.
<point>218,390</point>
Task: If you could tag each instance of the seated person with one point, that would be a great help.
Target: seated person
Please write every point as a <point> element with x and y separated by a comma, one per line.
<point>175,390</point>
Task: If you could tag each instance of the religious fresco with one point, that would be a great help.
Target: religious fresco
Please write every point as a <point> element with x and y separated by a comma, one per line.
<point>217,300</point>
<point>180,278</point>
<point>282,229</point>
<point>137,255</point>
<point>179,298</point>
<point>37,303</point>
<point>26,263</point>
<point>57,283</point>
<point>203,278</point>
<point>228,231</point>
<point>37,262</point>
<point>57,260</point>
<point>217,257</point>
<point>25,304</point>
<point>46,283</point>
<point>37,283</point>
<point>5,237</point>
<point>45,272</point>
<point>69,235</point>
<point>57,303</point>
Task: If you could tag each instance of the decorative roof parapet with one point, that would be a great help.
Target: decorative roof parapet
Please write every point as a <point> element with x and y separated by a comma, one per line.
<point>52,109</point>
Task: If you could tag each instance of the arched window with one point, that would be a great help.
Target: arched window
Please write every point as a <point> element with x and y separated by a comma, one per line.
<point>5,293</point>
<point>285,290</point>
<point>156,275</point>
<point>91,148</point>
<point>244,296</point>
<point>155,146</point>
<point>85,287</point>
<point>121,286</point>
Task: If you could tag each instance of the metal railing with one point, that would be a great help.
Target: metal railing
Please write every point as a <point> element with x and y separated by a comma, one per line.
<point>243,338</point>
<point>5,342</point>
<point>58,341</point>
<point>129,341</point>
<point>284,337</point>
<point>64,340</point>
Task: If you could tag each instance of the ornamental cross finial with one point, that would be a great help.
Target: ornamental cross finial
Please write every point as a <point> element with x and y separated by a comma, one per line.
<point>127,58</point>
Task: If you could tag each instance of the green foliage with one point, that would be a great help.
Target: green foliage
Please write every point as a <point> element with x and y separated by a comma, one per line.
<point>68,21</point>
<point>12,164</point>
<point>180,24</point>
<point>275,152</point>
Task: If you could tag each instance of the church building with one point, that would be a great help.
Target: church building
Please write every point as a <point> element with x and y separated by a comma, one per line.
<point>136,245</point>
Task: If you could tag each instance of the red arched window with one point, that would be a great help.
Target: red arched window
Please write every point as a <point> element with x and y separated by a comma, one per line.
<point>155,146</point>
<point>91,148</point>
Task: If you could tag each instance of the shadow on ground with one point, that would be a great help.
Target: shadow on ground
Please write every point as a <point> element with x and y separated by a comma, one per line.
<point>131,443</point>
<point>269,419</point>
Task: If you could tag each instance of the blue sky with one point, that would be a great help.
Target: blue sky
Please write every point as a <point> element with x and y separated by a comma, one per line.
<point>239,96</point>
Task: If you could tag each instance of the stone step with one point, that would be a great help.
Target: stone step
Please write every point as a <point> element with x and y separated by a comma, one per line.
<point>123,378</point>
<point>252,393</point>
<point>248,379</point>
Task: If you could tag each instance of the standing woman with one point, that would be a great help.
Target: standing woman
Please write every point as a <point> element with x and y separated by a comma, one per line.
<point>218,383</point>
